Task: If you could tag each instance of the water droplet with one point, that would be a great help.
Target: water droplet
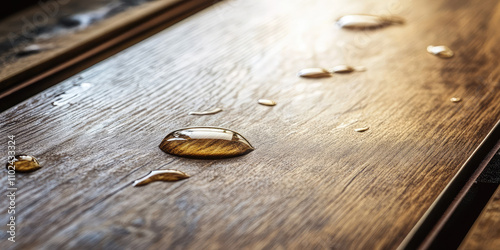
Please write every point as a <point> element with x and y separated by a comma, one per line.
<point>440,51</point>
<point>367,21</point>
<point>455,99</point>
<point>267,102</point>
<point>161,175</point>
<point>343,69</point>
<point>57,103</point>
<point>314,73</point>
<point>205,142</point>
<point>210,112</point>
<point>361,130</point>
<point>23,163</point>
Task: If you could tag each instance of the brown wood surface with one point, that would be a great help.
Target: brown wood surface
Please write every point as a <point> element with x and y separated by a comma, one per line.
<point>311,181</point>
<point>23,29</point>
<point>62,43</point>
<point>485,234</point>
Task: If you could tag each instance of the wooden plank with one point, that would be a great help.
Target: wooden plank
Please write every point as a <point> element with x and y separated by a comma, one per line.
<point>485,234</point>
<point>440,221</point>
<point>71,47</point>
<point>311,181</point>
<point>22,30</point>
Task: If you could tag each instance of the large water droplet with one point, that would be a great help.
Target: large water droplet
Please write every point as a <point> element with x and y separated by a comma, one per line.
<point>161,175</point>
<point>23,163</point>
<point>205,142</point>
<point>367,21</point>
<point>314,73</point>
<point>440,51</point>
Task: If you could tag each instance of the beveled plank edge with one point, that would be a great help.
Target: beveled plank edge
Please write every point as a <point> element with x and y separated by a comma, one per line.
<point>427,228</point>
<point>128,33</point>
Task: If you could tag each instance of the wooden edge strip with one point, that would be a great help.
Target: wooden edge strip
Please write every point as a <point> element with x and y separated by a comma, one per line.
<point>431,223</point>
<point>127,32</point>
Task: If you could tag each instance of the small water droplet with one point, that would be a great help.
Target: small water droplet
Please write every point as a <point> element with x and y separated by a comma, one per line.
<point>314,73</point>
<point>161,175</point>
<point>210,112</point>
<point>267,102</point>
<point>361,21</point>
<point>440,51</point>
<point>205,142</point>
<point>362,129</point>
<point>23,163</point>
<point>343,69</point>
<point>455,99</point>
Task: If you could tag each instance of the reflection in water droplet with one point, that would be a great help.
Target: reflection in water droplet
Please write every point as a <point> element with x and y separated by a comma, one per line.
<point>205,142</point>
<point>267,102</point>
<point>440,51</point>
<point>161,175</point>
<point>367,21</point>
<point>210,112</point>
<point>360,130</point>
<point>455,99</point>
<point>342,69</point>
<point>314,73</point>
<point>23,163</point>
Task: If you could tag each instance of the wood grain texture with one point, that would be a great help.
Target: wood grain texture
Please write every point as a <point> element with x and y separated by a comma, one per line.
<point>485,234</point>
<point>312,181</point>
<point>40,25</point>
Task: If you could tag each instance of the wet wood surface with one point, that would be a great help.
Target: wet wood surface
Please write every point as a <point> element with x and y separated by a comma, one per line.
<point>312,181</point>
<point>485,234</point>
